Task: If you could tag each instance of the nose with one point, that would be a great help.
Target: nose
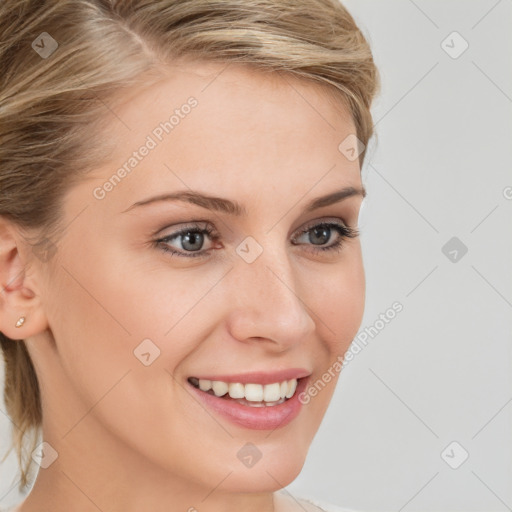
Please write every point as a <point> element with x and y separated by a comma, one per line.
<point>269,302</point>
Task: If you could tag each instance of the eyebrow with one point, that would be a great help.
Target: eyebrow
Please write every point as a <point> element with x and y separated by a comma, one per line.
<point>234,208</point>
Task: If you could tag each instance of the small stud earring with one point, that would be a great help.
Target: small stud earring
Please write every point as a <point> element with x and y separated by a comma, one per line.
<point>20,322</point>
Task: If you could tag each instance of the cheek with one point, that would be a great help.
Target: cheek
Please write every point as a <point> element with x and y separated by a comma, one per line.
<point>126,331</point>
<point>338,303</point>
<point>338,306</point>
<point>100,317</point>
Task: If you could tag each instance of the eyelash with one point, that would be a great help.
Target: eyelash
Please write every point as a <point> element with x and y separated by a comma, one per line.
<point>344,232</point>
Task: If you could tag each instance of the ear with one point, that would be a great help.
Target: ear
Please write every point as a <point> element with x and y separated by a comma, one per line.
<point>19,284</point>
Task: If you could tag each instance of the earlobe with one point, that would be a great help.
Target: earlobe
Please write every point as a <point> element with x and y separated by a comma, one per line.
<point>20,322</point>
<point>21,328</point>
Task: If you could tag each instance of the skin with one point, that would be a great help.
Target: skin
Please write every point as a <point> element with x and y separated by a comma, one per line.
<point>130,437</point>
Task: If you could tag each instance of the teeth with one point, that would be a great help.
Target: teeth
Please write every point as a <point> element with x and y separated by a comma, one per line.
<point>292,386</point>
<point>236,390</point>
<point>219,388</point>
<point>254,392</point>
<point>283,389</point>
<point>271,394</point>
<point>243,401</point>
<point>205,385</point>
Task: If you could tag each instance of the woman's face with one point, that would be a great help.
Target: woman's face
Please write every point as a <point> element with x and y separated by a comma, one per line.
<point>256,292</point>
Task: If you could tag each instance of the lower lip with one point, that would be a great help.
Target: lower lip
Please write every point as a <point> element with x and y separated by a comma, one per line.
<point>256,418</point>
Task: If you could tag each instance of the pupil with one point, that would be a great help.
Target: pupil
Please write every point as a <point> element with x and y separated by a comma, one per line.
<point>319,236</point>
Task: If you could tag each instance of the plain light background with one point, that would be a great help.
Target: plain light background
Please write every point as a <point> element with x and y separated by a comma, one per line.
<point>433,387</point>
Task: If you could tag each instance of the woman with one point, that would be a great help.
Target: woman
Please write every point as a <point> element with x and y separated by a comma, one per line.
<point>180,263</point>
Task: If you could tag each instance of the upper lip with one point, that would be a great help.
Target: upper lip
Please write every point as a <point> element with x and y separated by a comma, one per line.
<point>259,377</point>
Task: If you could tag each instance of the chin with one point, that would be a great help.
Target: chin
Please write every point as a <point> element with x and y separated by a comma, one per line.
<point>276,463</point>
<point>268,476</point>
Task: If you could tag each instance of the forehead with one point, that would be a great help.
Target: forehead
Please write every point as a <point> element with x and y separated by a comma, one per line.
<point>227,127</point>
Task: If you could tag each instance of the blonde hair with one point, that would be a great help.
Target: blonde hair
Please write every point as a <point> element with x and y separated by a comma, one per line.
<point>52,104</point>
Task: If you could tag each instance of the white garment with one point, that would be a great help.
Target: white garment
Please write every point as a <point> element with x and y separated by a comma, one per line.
<point>325,507</point>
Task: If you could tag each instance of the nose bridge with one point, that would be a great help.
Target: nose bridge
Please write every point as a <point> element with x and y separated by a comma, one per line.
<point>268,303</point>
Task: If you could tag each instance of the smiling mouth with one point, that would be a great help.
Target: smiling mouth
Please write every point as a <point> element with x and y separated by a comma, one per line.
<point>251,394</point>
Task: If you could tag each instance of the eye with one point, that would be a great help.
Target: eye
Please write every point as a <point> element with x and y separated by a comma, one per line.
<point>188,242</point>
<point>318,235</point>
